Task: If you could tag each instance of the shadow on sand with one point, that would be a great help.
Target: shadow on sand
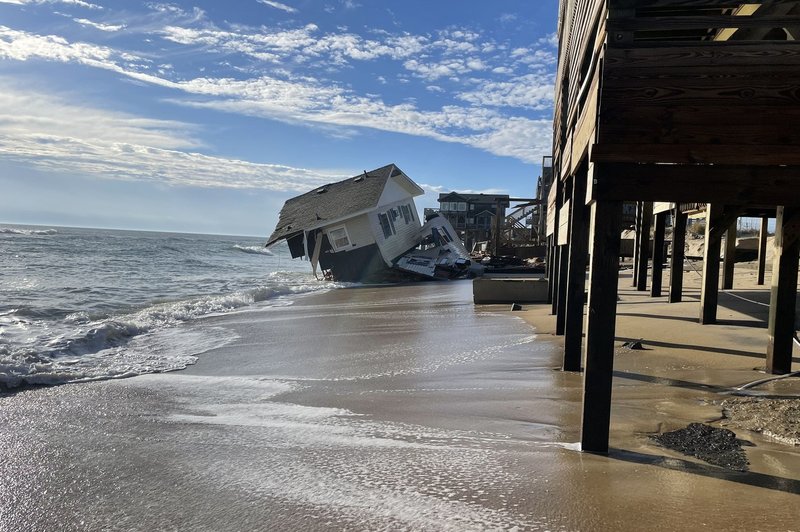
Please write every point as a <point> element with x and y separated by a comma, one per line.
<point>759,480</point>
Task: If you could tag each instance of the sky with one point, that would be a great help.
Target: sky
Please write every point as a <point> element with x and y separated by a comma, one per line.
<point>205,117</point>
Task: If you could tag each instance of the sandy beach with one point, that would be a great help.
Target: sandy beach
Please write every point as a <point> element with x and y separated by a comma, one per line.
<point>400,408</point>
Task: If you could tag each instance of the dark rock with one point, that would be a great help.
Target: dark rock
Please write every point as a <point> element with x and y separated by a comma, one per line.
<point>710,444</point>
<point>515,306</point>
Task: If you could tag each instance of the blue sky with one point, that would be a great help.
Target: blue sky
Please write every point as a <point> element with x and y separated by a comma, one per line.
<point>207,116</point>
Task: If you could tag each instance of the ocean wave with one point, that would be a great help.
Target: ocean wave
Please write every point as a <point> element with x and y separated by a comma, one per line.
<point>14,231</point>
<point>80,349</point>
<point>253,250</point>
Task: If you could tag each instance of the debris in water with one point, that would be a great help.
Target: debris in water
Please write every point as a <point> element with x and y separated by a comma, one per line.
<point>710,444</point>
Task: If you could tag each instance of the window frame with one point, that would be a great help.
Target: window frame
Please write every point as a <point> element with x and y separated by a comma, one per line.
<point>333,240</point>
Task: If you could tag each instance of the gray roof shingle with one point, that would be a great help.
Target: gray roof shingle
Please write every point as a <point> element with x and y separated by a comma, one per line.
<point>331,202</point>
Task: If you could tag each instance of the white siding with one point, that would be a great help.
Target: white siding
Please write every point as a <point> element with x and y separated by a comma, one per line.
<point>393,193</point>
<point>405,239</point>
<point>358,229</point>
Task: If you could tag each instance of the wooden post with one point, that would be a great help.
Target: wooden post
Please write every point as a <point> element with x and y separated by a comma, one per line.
<point>729,264</point>
<point>576,274</point>
<point>710,290</point>
<point>637,238</point>
<point>554,279</point>
<point>644,245</point>
<point>678,254</point>
<point>658,253</point>
<point>563,256</point>
<point>548,269</point>
<point>606,222</point>
<point>762,250</point>
<point>781,327</point>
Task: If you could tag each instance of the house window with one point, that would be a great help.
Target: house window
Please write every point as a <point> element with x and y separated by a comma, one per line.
<point>386,225</point>
<point>339,238</point>
<point>461,207</point>
<point>406,213</point>
<point>470,221</point>
<point>410,211</point>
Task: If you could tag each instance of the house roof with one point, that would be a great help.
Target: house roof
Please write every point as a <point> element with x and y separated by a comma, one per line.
<point>333,201</point>
<point>473,198</point>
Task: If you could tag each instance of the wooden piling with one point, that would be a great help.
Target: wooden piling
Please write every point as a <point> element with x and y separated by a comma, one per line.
<point>576,274</point>
<point>677,256</point>
<point>709,294</point>
<point>762,250</point>
<point>781,326</point>
<point>658,253</point>
<point>644,246</point>
<point>606,221</point>
<point>729,263</point>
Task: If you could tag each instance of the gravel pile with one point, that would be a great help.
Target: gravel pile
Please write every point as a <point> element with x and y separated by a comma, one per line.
<point>710,444</point>
<point>778,419</point>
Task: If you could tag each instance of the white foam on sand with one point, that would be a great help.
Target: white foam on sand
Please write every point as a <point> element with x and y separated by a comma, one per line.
<point>342,467</point>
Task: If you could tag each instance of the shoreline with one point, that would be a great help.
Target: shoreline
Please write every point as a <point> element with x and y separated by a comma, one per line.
<point>379,408</point>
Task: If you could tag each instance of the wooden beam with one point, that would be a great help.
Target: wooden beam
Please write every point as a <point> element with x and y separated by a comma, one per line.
<point>697,23</point>
<point>665,150</point>
<point>695,54</point>
<point>658,253</point>
<point>690,183</point>
<point>677,256</point>
<point>644,246</point>
<point>781,325</point>
<point>606,222</point>
<point>763,233</point>
<point>576,274</point>
<point>709,294</point>
<point>729,264</point>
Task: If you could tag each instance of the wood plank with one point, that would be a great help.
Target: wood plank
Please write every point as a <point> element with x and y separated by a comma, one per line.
<point>606,221</point>
<point>728,53</point>
<point>737,185</point>
<point>697,154</point>
<point>685,125</point>
<point>617,24</point>
<point>677,256</point>
<point>783,297</point>
<point>658,253</point>
<point>738,89</point>
<point>709,292</point>
<point>762,250</point>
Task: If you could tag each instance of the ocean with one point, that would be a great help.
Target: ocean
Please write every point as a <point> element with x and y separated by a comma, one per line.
<point>91,304</point>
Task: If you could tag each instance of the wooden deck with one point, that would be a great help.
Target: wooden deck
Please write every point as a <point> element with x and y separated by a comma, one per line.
<point>680,101</point>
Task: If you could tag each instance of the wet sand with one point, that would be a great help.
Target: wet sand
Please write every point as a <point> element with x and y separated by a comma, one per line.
<point>394,408</point>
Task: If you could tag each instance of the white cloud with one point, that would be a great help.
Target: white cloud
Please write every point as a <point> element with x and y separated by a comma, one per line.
<point>278,5</point>
<point>100,26</point>
<point>66,137</point>
<point>531,91</point>
<point>311,102</point>
<point>79,3</point>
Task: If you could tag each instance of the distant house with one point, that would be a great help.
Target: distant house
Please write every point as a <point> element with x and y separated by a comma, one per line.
<point>472,215</point>
<point>354,229</point>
